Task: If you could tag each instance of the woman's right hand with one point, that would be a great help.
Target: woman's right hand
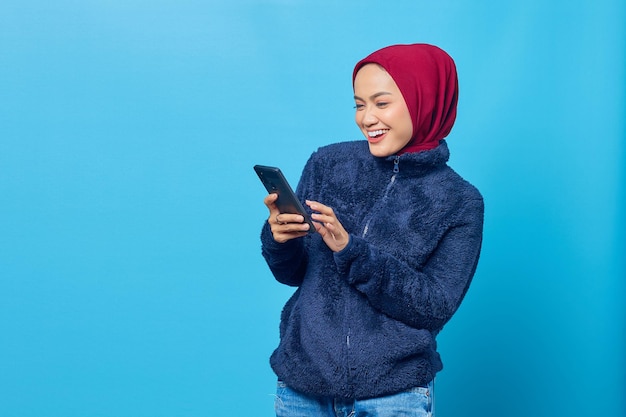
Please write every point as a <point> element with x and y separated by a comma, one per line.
<point>284,226</point>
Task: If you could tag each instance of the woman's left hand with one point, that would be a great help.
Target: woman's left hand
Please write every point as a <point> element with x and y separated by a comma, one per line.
<point>327,225</point>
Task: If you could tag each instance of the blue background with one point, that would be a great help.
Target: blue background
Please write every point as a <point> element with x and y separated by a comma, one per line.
<point>131,281</point>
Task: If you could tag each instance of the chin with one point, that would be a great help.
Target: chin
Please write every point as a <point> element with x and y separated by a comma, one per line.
<point>379,151</point>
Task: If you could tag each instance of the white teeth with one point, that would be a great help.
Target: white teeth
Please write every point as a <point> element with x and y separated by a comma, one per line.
<point>377,132</point>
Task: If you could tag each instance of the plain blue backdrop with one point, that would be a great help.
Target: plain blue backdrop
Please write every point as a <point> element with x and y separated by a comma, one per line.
<point>131,281</point>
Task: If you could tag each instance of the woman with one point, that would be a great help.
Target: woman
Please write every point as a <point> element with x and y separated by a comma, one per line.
<point>397,240</point>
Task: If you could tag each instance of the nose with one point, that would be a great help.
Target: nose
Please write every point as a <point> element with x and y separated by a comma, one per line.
<point>369,116</point>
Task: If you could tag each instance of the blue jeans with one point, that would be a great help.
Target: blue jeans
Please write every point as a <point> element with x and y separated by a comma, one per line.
<point>416,402</point>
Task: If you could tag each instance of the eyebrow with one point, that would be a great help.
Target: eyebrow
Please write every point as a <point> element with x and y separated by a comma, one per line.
<point>373,96</point>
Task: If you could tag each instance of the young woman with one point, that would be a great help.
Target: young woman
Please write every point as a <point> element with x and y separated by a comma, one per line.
<point>397,240</point>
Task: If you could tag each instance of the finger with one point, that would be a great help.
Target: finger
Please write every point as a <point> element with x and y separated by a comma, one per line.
<point>334,231</point>
<point>284,232</point>
<point>289,218</point>
<point>317,206</point>
<point>323,218</point>
<point>293,228</point>
<point>270,199</point>
<point>330,225</point>
<point>323,212</point>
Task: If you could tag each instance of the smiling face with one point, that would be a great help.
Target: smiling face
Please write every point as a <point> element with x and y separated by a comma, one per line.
<point>381,112</point>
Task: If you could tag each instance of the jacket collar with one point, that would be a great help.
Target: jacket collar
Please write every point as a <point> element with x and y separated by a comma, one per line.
<point>416,163</point>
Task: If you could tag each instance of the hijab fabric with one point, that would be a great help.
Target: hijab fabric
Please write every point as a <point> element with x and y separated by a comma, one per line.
<point>426,76</point>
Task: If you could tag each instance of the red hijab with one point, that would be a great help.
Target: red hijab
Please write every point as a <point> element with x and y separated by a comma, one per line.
<point>426,77</point>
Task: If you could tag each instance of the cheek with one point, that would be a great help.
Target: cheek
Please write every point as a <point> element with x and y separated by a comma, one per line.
<point>404,124</point>
<point>409,129</point>
<point>357,119</point>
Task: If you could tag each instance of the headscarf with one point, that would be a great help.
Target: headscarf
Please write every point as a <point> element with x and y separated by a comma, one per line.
<point>426,76</point>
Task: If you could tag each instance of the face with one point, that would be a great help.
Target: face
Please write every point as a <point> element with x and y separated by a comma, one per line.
<point>381,112</point>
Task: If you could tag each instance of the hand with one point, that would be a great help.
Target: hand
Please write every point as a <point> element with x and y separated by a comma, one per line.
<point>327,225</point>
<point>284,226</point>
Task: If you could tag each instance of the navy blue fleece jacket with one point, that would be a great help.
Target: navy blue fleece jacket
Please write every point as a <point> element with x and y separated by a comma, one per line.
<point>363,321</point>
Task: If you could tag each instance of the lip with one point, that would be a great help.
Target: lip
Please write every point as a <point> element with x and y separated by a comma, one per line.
<point>378,138</point>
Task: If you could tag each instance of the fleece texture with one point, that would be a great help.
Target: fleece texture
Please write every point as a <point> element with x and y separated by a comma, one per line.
<point>362,322</point>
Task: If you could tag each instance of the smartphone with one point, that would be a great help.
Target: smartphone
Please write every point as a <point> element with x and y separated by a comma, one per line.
<point>287,202</point>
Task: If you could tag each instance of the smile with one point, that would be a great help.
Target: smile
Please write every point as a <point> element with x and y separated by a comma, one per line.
<point>375,133</point>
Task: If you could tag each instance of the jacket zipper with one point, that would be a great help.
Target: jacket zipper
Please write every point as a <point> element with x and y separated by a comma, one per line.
<point>396,169</point>
<point>347,313</point>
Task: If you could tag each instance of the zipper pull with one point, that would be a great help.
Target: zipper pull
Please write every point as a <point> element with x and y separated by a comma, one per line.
<point>396,162</point>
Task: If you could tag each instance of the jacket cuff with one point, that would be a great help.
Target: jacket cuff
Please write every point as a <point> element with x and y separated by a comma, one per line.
<point>345,257</point>
<point>270,246</point>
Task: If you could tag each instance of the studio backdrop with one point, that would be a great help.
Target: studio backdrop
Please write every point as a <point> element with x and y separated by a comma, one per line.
<point>131,279</point>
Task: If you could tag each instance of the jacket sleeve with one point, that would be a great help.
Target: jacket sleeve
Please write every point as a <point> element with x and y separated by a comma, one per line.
<point>288,261</point>
<point>423,298</point>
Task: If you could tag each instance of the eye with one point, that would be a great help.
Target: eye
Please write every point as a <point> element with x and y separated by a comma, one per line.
<point>382,104</point>
<point>359,106</point>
